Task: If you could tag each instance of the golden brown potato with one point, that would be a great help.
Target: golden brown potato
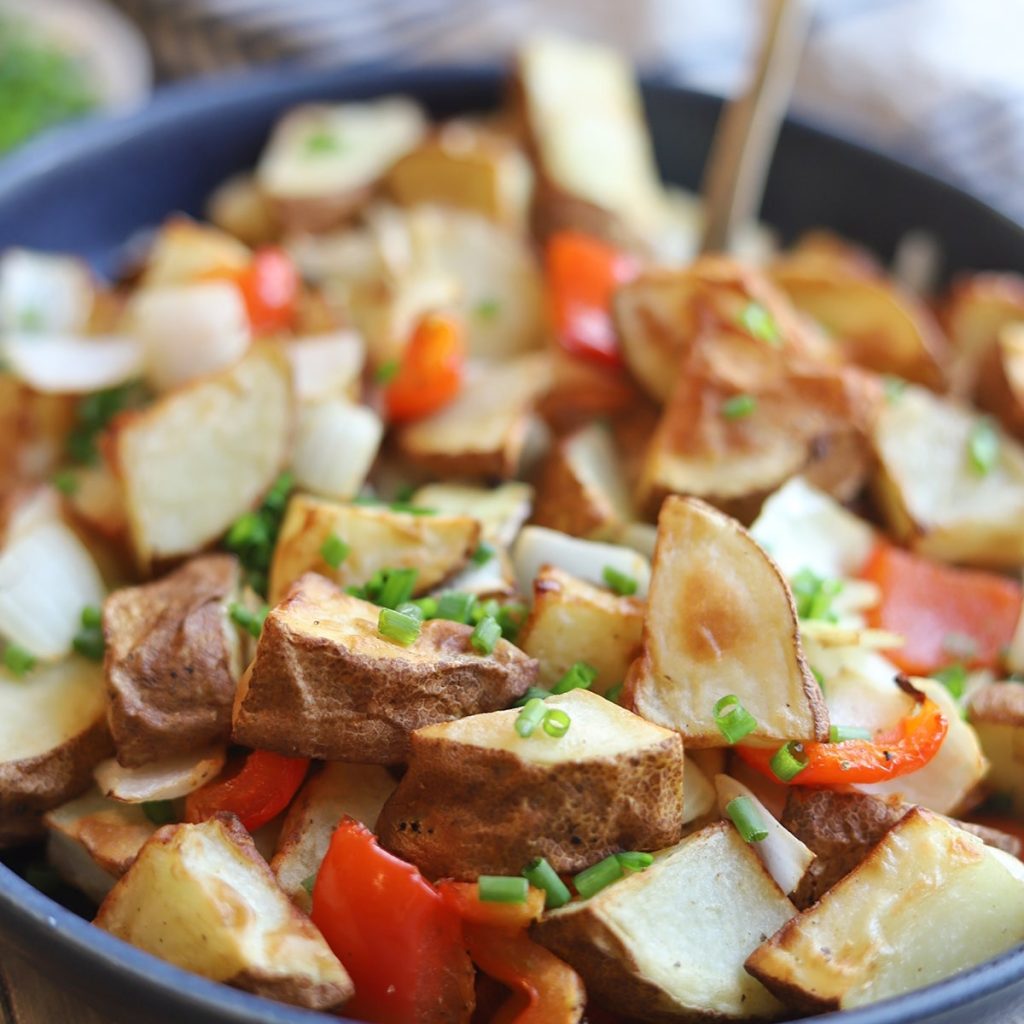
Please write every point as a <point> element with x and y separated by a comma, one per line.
<point>201,897</point>
<point>173,660</point>
<point>482,433</point>
<point>715,596</point>
<point>53,732</point>
<point>612,782</point>
<point>336,791</point>
<point>470,166</point>
<point>34,428</point>
<point>239,207</point>
<point>997,714</point>
<point>1000,384</point>
<point>97,500</point>
<point>582,391</point>
<point>573,620</point>
<point>201,456</point>
<point>437,546</point>
<point>669,943</point>
<point>185,250</point>
<point>326,684</point>
<point>875,934</point>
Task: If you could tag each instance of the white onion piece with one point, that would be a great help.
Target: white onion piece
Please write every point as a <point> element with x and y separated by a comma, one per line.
<point>698,793</point>
<point>68,365</point>
<point>189,330</point>
<point>784,856</point>
<point>46,578</point>
<point>164,780</point>
<point>44,292</point>
<point>326,365</point>
<point>335,446</point>
<point>585,559</point>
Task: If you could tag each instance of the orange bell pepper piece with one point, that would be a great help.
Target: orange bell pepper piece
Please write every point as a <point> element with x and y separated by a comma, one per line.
<point>430,372</point>
<point>270,289</point>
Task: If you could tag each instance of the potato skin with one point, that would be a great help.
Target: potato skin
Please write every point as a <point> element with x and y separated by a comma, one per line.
<point>171,661</point>
<point>463,811</point>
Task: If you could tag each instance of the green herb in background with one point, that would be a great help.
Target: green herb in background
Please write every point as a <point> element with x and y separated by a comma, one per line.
<point>253,535</point>
<point>94,413</point>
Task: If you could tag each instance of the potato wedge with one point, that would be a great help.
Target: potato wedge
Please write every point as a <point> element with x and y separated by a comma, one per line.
<point>356,790</point>
<point>668,943</point>
<point>53,732</point>
<point>500,511</point>
<point>715,596</point>
<point>582,489</point>
<point>173,660</point>
<point>34,428</point>
<point>323,160</point>
<point>887,927</point>
<point>184,251</point>
<point>326,684</point>
<point>437,546</point>
<point>92,841</point>
<point>97,501</point>
<point>239,207</point>
<point>997,714</point>
<point>1000,385</point>
<point>573,620</point>
<point>612,782</point>
<point>932,495</point>
<point>166,779</point>
<point>201,897</point>
<point>469,166</point>
<point>200,457</point>
<point>482,433</point>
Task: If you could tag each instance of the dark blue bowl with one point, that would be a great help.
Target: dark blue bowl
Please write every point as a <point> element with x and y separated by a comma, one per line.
<point>89,188</point>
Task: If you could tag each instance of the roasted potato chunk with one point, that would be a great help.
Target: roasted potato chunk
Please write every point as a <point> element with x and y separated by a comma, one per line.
<point>201,897</point>
<point>714,597</point>
<point>997,714</point>
<point>612,782</point>
<point>185,250</point>
<point>669,943</point>
<point>885,928</point>
<point>326,684</point>
<point>575,621</point>
<point>437,546</point>
<point>1000,388</point>
<point>173,660</point>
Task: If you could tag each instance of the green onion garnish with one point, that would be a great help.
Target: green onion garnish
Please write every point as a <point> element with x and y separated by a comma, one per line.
<point>412,609</point>
<point>487,309</point>
<point>813,596</point>
<point>17,660</point>
<point>983,446</point>
<point>160,812</point>
<point>402,629</point>
<point>250,621</point>
<point>541,875</point>
<point>94,413</point>
<point>613,693</point>
<point>321,142</point>
<point>253,535</point>
<point>622,583</point>
<point>532,692</point>
<point>788,761</point>
<point>483,554</point>
<point>738,406</point>
<point>511,618</point>
<point>481,609</point>
<point>760,323</point>
<point>92,616</point>
<point>634,860</point>
<point>485,635</point>
<point>747,819</point>
<point>398,587</point>
<point>412,510</point>
<point>309,882</point>
<point>954,679</point>
<point>503,888</point>
<point>65,481</point>
<point>842,733</point>
<point>427,606</point>
<point>88,641</point>
<point>334,551</point>
<point>592,880</point>
<point>734,721</point>
<point>387,372</point>
<point>455,606</point>
<point>819,678</point>
<point>530,717</point>
<point>579,677</point>
<point>556,723</point>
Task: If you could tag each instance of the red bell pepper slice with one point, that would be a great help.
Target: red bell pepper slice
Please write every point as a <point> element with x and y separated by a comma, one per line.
<point>399,940</point>
<point>269,286</point>
<point>257,793</point>
<point>430,372</point>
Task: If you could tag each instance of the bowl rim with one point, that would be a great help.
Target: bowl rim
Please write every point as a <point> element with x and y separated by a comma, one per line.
<point>34,921</point>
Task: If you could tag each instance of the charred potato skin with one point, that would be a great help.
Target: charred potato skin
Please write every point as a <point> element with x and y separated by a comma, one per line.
<point>172,661</point>
<point>460,811</point>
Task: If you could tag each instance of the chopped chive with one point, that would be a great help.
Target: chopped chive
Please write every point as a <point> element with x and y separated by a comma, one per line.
<point>622,583</point>
<point>843,733</point>
<point>387,372</point>
<point>503,888</point>
<point>250,621</point>
<point>738,406</point>
<point>455,606</point>
<point>88,641</point>
<point>579,677</point>
<point>334,551</point>
<point>92,616</point>
<point>398,587</point>
<point>748,821</point>
<point>734,721</point>
<point>159,812</point>
<point>483,609</point>
<point>954,679</point>
<point>788,761</point>
<point>487,309</point>
<point>592,880</point>
<point>510,618</point>
<point>556,723</point>
<point>613,693</point>
<point>17,660</point>
<point>532,693</point>
<point>813,595</point>
<point>530,717</point>
<point>894,388</point>
<point>818,676</point>
<point>66,481</point>
<point>404,494</point>
<point>412,510</point>
<point>485,635</point>
<point>983,446</point>
<point>322,142</point>
<point>402,629</point>
<point>541,875</point>
<point>760,323</point>
<point>309,883</point>
<point>412,609</point>
<point>427,606</point>
<point>483,554</point>
<point>253,535</point>
<point>634,860</point>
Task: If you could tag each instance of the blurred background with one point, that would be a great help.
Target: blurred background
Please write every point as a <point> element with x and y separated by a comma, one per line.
<point>939,82</point>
